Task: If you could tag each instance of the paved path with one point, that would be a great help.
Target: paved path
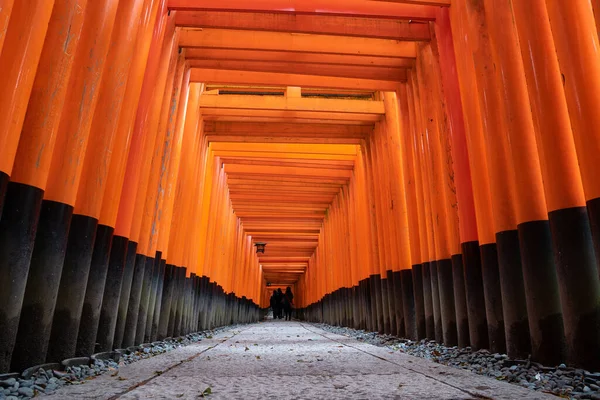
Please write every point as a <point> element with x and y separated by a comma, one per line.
<point>290,360</point>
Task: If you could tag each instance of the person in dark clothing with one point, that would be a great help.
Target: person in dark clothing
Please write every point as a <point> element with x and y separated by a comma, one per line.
<point>288,303</point>
<point>279,304</point>
<point>276,303</point>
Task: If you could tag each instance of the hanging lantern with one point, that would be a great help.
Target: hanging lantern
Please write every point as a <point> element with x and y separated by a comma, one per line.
<point>260,247</point>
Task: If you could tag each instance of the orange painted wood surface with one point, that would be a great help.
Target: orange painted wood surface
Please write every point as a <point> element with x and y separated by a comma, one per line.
<point>309,24</point>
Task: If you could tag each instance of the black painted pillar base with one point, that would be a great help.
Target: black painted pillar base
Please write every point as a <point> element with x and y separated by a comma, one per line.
<point>125,293</point>
<point>428,301</point>
<point>419,296</point>
<point>203,311</point>
<point>400,328</point>
<point>180,301</point>
<point>366,304</point>
<point>376,306</point>
<point>371,305</point>
<point>186,303</point>
<point>133,306</point>
<point>516,322</point>
<point>71,292</point>
<point>356,314</point>
<point>435,298</point>
<point>578,283</point>
<point>158,302</point>
<point>474,295</point>
<point>43,281</point>
<point>446,288</point>
<point>90,315</point>
<point>460,301</point>
<point>385,308</point>
<point>177,275</point>
<point>349,296</point>
<point>542,294</point>
<point>112,293</point>
<point>152,296</point>
<point>144,300</point>
<point>405,278</point>
<point>593,212</point>
<point>17,233</point>
<point>3,186</point>
<point>493,297</point>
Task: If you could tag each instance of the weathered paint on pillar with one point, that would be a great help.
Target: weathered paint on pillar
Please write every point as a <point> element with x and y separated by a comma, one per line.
<point>30,173</point>
<point>66,171</point>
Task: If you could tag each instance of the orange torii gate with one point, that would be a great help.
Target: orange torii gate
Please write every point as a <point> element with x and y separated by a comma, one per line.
<point>424,168</point>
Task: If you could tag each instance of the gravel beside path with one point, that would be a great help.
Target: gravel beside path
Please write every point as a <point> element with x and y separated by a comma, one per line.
<point>560,380</point>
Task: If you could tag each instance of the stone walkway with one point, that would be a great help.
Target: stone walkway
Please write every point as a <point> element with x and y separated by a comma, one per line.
<point>290,360</point>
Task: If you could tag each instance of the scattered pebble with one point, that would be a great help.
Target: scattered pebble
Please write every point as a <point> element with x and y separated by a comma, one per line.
<point>48,381</point>
<point>561,380</point>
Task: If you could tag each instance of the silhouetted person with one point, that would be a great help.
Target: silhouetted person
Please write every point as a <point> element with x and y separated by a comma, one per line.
<point>279,304</point>
<point>276,303</point>
<point>288,302</point>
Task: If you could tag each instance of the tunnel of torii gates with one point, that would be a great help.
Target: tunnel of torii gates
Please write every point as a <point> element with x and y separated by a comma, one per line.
<point>425,168</point>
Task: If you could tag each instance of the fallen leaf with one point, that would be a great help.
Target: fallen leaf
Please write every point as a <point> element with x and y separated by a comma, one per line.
<point>255,344</point>
<point>246,349</point>
<point>209,337</point>
<point>206,392</point>
<point>115,373</point>
<point>158,372</point>
<point>121,378</point>
<point>258,357</point>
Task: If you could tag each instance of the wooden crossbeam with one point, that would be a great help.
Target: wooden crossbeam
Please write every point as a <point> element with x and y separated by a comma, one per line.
<point>284,41</point>
<point>422,2</point>
<point>308,163</point>
<point>241,55</point>
<point>309,24</point>
<point>233,169</point>
<point>288,150</point>
<point>285,133</point>
<point>317,216</point>
<point>240,77</point>
<point>224,114</point>
<point>280,233</point>
<point>230,118</point>
<point>280,139</point>
<point>299,104</point>
<point>374,72</point>
<point>406,9</point>
<point>270,155</point>
<point>287,129</point>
